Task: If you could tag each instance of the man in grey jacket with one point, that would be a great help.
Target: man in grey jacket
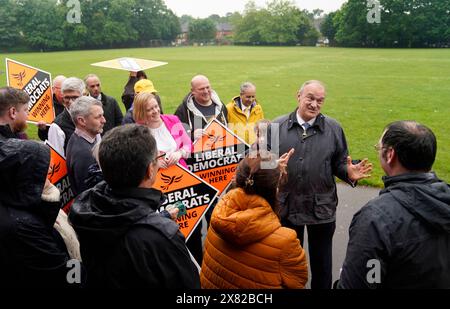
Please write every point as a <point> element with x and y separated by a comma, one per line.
<point>309,197</point>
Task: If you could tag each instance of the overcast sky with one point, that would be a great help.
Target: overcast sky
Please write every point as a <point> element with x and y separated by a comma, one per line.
<point>204,8</point>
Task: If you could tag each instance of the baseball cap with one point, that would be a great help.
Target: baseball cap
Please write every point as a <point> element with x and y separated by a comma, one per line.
<point>144,85</point>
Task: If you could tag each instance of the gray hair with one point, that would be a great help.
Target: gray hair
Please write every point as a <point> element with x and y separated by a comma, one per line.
<point>82,107</point>
<point>73,84</point>
<point>247,85</point>
<point>309,82</point>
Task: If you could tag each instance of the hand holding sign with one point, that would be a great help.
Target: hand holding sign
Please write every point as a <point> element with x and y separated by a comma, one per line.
<point>187,193</point>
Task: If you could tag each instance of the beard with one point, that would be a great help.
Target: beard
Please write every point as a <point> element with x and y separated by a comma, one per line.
<point>19,127</point>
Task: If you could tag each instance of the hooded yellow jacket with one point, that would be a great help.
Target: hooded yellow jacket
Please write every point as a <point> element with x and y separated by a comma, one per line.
<point>238,122</point>
<point>246,247</point>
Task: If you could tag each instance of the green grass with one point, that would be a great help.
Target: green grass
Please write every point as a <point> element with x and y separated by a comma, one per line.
<point>367,88</point>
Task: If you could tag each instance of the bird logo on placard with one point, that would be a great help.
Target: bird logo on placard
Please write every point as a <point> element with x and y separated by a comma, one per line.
<point>212,140</point>
<point>20,76</point>
<point>168,180</point>
<point>54,168</point>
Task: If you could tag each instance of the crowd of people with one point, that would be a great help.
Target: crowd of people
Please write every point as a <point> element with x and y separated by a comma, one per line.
<point>255,234</point>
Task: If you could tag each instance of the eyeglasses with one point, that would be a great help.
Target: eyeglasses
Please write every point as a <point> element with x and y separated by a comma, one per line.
<point>70,98</point>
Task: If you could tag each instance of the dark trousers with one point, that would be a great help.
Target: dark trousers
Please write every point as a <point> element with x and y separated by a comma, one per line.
<point>320,244</point>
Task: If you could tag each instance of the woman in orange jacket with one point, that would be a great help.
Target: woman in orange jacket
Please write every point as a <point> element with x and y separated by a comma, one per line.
<point>246,247</point>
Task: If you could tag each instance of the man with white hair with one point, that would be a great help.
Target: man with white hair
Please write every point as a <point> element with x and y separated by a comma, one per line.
<point>62,128</point>
<point>309,199</point>
<point>58,106</point>
<point>87,114</point>
<point>244,111</point>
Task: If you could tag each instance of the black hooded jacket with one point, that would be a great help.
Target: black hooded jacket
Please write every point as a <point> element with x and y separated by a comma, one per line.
<point>32,253</point>
<point>6,132</point>
<point>126,244</point>
<point>405,233</point>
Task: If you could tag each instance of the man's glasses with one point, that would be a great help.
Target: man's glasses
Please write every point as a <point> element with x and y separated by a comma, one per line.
<point>70,98</point>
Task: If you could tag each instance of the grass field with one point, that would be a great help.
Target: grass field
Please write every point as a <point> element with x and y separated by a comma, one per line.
<point>367,88</point>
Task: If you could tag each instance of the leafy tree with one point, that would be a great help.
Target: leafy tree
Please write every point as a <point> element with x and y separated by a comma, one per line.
<point>233,18</point>
<point>283,23</point>
<point>149,19</point>
<point>40,23</point>
<point>280,23</point>
<point>352,24</point>
<point>306,32</point>
<point>317,13</point>
<point>404,23</point>
<point>328,28</point>
<point>170,25</point>
<point>215,18</point>
<point>202,30</point>
<point>118,28</point>
<point>186,19</point>
<point>248,28</point>
<point>9,26</point>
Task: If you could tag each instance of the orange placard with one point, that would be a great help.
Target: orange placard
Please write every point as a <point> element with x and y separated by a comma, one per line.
<point>216,155</point>
<point>37,84</point>
<point>57,174</point>
<point>180,185</point>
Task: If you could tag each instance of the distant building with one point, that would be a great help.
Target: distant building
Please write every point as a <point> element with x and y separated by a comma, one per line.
<point>182,38</point>
<point>223,33</point>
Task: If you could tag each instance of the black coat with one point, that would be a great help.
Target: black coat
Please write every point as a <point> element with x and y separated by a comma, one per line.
<point>6,132</point>
<point>65,123</point>
<point>406,230</point>
<point>112,113</point>
<point>32,253</point>
<point>126,244</point>
<point>309,196</point>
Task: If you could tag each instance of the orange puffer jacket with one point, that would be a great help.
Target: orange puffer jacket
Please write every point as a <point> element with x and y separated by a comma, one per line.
<point>247,248</point>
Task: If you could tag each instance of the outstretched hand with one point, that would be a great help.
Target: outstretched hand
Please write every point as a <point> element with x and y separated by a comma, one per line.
<point>358,171</point>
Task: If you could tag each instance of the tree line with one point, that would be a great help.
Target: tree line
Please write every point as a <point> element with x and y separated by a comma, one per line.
<point>402,23</point>
<point>280,23</point>
<point>47,24</point>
